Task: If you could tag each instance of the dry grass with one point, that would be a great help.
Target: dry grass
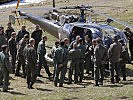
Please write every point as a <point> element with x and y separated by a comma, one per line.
<point>45,90</point>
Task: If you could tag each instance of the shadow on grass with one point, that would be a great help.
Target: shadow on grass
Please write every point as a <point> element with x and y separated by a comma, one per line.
<point>39,81</point>
<point>129,72</point>
<point>73,87</point>
<point>16,93</point>
<point>85,83</point>
<point>47,90</point>
<point>127,83</point>
<point>13,93</point>
<point>73,98</point>
<point>113,85</point>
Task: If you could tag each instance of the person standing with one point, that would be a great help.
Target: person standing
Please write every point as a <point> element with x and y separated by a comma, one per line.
<point>20,56</point>
<point>31,61</point>
<point>37,35</point>
<point>61,59</point>
<point>123,59</point>
<point>5,66</point>
<point>114,55</point>
<point>54,48</point>
<point>41,50</point>
<point>2,38</point>
<point>82,49</point>
<point>88,43</point>
<point>91,48</point>
<point>21,33</point>
<point>74,59</point>
<point>12,43</point>
<point>100,57</point>
<point>9,31</point>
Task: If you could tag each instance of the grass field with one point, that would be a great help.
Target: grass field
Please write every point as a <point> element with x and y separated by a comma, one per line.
<point>44,88</point>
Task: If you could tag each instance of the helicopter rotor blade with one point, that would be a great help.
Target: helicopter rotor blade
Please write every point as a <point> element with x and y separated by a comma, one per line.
<point>114,19</point>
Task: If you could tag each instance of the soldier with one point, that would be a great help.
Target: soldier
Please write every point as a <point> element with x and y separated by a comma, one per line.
<point>131,46</point>
<point>88,43</point>
<point>31,61</point>
<point>114,55</point>
<point>129,35</point>
<point>61,59</point>
<point>73,35</point>
<point>66,40</point>
<point>91,48</point>
<point>37,35</point>
<point>71,44</point>
<point>2,42</point>
<point>82,49</point>
<point>5,66</point>
<point>100,57</point>
<point>9,31</point>
<point>2,38</point>
<point>74,59</point>
<point>41,50</point>
<point>123,59</point>
<point>21,61</point>
<point>21,33</point>
<point>12,43</point>
<point>54,48</point>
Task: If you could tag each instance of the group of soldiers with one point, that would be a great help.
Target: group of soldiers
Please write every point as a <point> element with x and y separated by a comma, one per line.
<point>75,57</point>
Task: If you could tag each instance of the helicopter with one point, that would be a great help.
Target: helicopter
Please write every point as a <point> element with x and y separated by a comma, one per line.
<point>62,25</point>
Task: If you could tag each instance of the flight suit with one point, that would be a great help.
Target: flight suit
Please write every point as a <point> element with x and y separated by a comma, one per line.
<point>31,61</point>
<point>131,45</point>
<point>21,34</point>
<point>6,69</point>
<point>100,57</point>
<point>20,57</point>
<point>2,40</point>
<point>8,32</point>
<point>74,59</point>
<point>12,43</point>
<point>53,56</point>
<point>37,35</point>
<point>61,57</point>
<point>82,49</point>
<point>91,48</point>
<point>114,54</point>
<point>123,59</point>
<point>41,50</point>
<point>87,57</point>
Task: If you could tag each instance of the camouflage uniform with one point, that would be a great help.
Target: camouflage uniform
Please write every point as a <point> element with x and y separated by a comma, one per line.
<point>61,57</point>
<point>6,69</point>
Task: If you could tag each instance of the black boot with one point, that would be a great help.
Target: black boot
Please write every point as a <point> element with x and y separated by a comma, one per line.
<point>112,81</point>
<point>96,83</point>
